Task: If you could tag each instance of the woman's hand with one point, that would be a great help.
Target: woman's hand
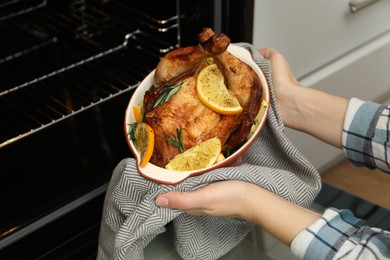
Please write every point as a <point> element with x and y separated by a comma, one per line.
<point>284,82</point>
<point>303,108</point>
<point>225,198</point>
<point>246,201</point>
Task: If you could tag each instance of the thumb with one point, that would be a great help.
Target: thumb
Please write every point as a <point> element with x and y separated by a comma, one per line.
<point>177,200</point>
<point>162,201</point>
<point>171,200</point>
<point>268,53</point>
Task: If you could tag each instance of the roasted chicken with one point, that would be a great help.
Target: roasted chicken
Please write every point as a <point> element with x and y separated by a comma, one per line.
<point>183,118</point>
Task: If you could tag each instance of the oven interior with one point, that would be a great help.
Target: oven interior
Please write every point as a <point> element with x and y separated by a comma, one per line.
<point>59,60</point>
<point>68,69</point>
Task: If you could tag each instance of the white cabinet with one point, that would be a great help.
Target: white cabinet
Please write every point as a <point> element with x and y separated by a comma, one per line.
<point>312,33</point>
<point>331,49</point>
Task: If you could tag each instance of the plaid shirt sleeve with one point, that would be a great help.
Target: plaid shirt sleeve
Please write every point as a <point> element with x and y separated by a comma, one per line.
<point>366,135</point>
<point>338,233</point>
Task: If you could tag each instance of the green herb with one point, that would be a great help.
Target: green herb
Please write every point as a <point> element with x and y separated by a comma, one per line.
<point>228,151</point>
<point>131,131</point>
<point>176,140</point>
<point>207,61</point>
<point>170,91</point>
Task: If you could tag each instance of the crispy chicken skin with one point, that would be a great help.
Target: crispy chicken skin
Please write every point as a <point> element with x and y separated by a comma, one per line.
<point>186,112</point>
<point>183,62</point>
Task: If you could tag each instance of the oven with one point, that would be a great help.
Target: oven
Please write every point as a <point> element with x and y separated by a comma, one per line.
<point>67,72</point>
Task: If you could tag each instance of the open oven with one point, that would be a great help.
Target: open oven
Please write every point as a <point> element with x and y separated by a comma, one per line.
<point>67,71</point>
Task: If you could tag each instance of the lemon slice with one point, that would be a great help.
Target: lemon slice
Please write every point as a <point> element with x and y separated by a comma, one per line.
<point>200,156</point>
<point>213,93</point>
<point>259,116</point>
<point>144,142</point>
<point>220,158</point>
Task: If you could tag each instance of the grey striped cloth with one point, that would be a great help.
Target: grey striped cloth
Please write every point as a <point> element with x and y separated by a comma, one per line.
<point>131,218</point>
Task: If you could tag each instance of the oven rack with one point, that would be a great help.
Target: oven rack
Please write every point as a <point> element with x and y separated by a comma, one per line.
<point>12,8</point>
<point>58,63</point>
<point>37,104</point>
<point>51,38</point>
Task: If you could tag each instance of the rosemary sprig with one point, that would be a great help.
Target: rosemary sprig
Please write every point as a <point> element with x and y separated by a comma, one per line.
<point>131,131</point>
<point>164,97</point>
<point>209,61</point>
<point>176,140</point>
<point>228,151</point>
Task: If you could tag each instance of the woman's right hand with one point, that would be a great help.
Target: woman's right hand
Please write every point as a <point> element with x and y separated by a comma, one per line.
<point>284,82</point>
<point>303,108</point>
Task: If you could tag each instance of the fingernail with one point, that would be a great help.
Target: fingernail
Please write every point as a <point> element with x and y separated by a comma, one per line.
<point>162,202</point>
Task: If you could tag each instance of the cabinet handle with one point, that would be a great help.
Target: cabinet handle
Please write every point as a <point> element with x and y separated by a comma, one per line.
<point>357,5</point>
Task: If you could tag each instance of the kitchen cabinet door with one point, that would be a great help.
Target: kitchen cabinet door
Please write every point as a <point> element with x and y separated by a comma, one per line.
<point>314,33</point>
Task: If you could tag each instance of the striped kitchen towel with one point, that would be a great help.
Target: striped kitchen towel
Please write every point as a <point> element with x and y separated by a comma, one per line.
<point>131,218</point>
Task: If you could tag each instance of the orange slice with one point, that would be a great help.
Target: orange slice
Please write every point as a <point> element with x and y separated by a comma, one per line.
<point>213,93</point>
<point>144,142</point>
<point>200,156</point>
<point>138,111</point>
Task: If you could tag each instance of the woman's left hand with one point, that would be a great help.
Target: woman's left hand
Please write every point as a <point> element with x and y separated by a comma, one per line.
<point>247,201</point>
<point>225,198</point>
